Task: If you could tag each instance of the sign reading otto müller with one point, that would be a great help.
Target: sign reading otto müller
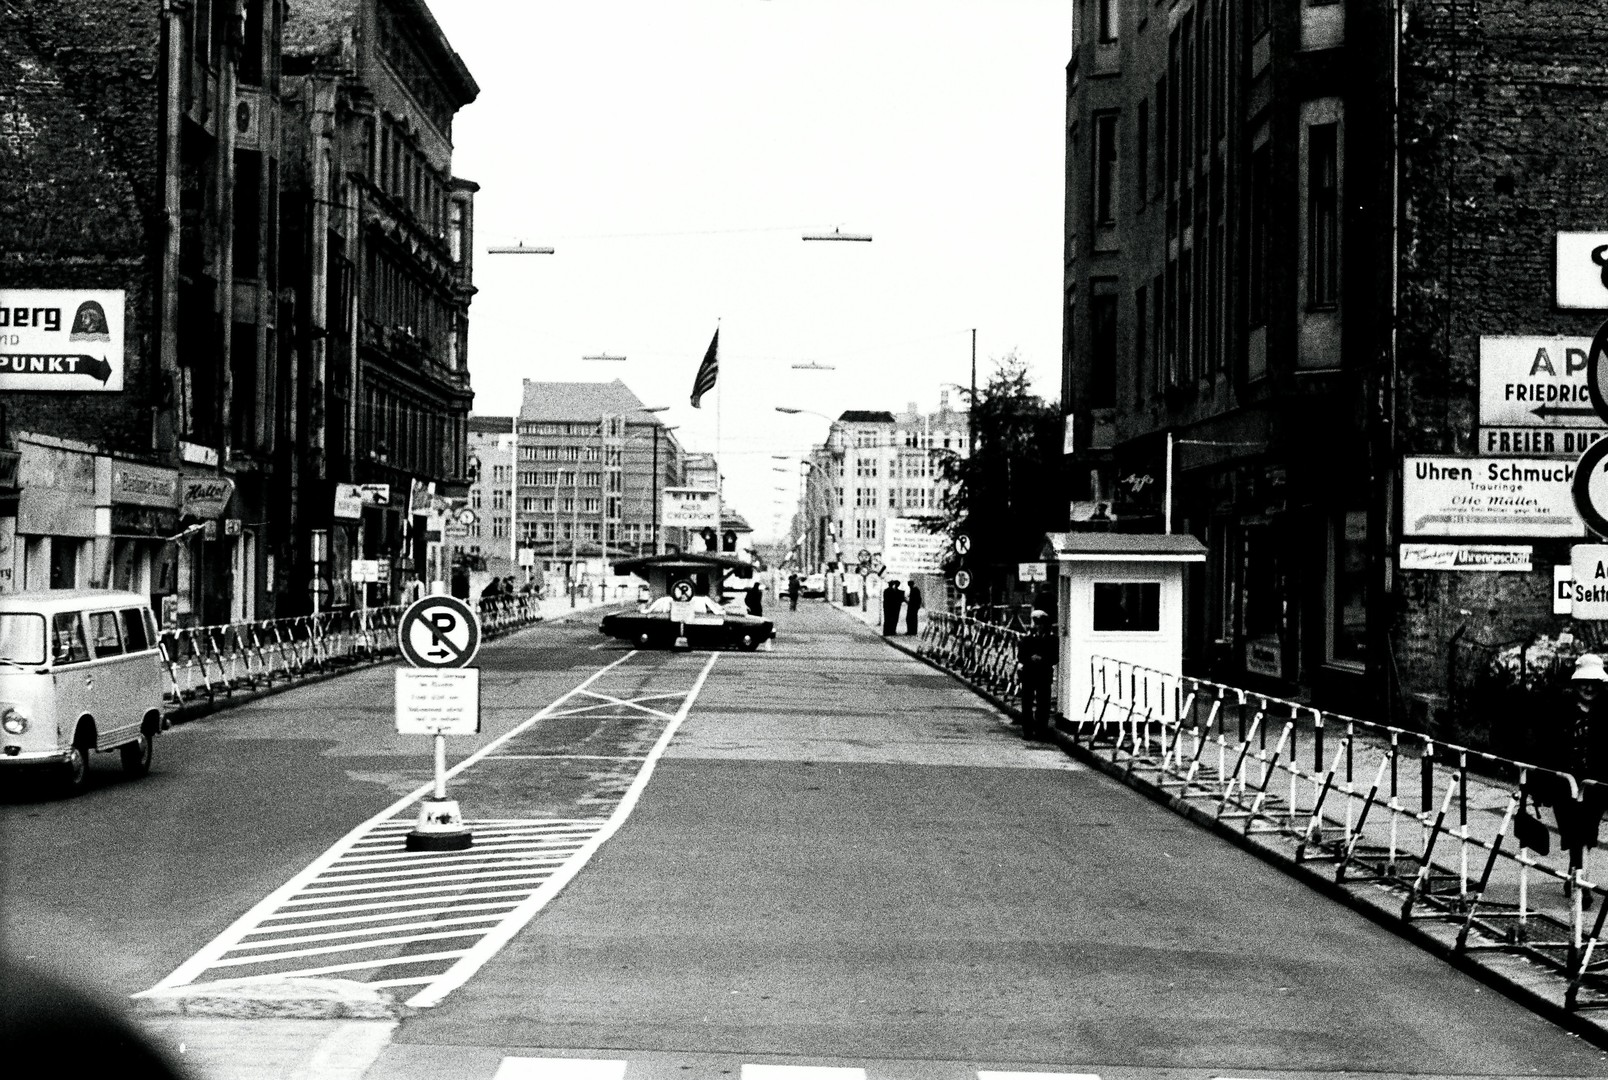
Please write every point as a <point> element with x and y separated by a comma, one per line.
<point>61,339</point>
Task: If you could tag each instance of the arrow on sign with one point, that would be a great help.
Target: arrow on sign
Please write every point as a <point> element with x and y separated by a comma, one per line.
<point>1545,411</point>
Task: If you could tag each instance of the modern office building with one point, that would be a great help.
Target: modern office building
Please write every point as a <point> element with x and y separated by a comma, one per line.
<point>1307,246</point>
<point>592,463</point>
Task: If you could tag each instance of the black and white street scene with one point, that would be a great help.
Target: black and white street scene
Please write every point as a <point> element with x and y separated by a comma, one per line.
<point>803,539</point>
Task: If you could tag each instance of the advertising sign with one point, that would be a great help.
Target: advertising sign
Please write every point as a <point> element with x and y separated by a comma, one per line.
<point>1534,400</point>
<point>1588,585</point>
<point>1579,267</point>
<point>376,494</point>
<point>910,549</point>
<point>690,508</point>
<point>1032,571</point>
<point>1459,496</point>
<point>1465,557</point>
<point>144,485</point>
<point>61,339</point>
<point>204,496</point>
<point>348,502</point>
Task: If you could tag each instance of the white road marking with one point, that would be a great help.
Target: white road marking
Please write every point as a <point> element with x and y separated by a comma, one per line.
<point>367,898</point>
<point>523,1068</point>
<point>801,1072</point>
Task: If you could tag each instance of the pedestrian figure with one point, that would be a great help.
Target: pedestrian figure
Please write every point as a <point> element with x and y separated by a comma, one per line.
<point>792,590</point>
<point>1035,666</point>
<point>892,599</point>
<point>1577,744</point>
<point>755,598</point>
<point>912,605</point>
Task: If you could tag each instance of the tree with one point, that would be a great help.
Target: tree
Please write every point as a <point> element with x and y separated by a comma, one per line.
<point>1010,491</point>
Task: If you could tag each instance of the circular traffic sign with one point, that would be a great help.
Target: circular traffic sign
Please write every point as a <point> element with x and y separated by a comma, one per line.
<point>439,631</point>
<point>1597,372</point>
<point>681,591</point>
<point>1590,486</point>
<point>962,545</point>
<point>962,580</point>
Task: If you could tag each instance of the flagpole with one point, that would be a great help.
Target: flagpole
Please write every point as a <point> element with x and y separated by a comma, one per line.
<point>720,497</point>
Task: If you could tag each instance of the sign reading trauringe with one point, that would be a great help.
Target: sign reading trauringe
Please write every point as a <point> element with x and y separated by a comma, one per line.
<point>61,339</point>
<point>1460,496</point>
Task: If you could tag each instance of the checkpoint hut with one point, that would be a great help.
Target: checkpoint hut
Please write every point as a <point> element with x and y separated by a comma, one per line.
<point>1120,595</point>
<point>707,572</point>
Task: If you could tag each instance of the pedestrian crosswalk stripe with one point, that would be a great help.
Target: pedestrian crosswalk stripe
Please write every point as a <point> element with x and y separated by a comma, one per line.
<point>523,1068</point>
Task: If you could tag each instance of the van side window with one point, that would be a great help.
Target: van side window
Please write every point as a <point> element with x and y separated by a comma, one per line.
<point>67,639</point>
<point>103,634</point>
<point>134,636</point>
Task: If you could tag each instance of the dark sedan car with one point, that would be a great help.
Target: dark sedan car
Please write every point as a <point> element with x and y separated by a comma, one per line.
<point>711,626</point>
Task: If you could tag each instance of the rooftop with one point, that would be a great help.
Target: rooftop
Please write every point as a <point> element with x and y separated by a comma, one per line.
<point>492,425</point>
<point>866,416</point>
<point>581,401</point>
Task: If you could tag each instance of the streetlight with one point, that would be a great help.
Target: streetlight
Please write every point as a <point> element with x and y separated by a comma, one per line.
<point>519,249</point>
<point>837,234</point>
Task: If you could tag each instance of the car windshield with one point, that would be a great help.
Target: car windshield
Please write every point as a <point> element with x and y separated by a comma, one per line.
<point>701,605</point>
<point>22,638</point>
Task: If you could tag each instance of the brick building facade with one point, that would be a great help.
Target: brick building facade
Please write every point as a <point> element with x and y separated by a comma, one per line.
<point>1292,293</point>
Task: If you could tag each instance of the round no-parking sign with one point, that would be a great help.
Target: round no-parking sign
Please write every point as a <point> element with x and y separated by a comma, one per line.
<point>439,631</point>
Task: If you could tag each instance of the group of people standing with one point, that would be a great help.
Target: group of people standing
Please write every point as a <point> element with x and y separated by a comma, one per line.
<point>893,598</point>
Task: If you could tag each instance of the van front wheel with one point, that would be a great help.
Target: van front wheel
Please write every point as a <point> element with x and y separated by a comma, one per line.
<point>137,755</point>
<point>75,770</point>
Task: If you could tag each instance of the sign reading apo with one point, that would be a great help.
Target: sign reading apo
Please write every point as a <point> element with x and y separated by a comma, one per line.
<point>1453,496</point>
<point>1534,400</point>
<point>1588,589</point>
<point>61,339</point>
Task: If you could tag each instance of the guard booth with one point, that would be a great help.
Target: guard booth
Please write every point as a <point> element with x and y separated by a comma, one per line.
<point>707,572</point>
<point>1120,595</point>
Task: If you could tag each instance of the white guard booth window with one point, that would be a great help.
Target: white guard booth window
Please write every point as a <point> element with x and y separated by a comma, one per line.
<point>1121,597</point>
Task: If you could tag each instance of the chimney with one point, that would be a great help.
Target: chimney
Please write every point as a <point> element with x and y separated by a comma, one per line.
<point>943,401</point>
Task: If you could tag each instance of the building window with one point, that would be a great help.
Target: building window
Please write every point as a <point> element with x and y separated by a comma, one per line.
<point>1127,606</point>
<point>1160,178</point>
<point>499,500</point>
<point>865,466</point>
<point>590,505</point>
<point>1256,286</point>
<point>1141,170</point>
<point>1348,588</point>
<point>1103,352</point>
<point>1141,319</point>
<point>1323,215</point>
<point>1105,168</point>
<point>1158,317</point>
<point>474,499</point>
<point>548,504</point>
<point>1108,12</point>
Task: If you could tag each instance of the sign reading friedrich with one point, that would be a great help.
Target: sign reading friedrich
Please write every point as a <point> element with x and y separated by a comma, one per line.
<point>61,339</point>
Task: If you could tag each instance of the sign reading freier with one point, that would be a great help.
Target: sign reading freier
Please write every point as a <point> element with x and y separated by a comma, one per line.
<point>1533,397</point>
<point>1459,496</point>
<point>61,339</point>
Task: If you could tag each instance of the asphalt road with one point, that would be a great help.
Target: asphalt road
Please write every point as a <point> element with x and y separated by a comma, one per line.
<point>842,858</point>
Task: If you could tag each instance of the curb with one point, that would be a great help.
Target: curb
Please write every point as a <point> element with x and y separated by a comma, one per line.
<point>287,999</point>
<point>1514,976</point>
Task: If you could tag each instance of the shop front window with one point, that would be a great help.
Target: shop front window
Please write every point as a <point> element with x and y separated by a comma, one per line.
<point>1348,588</point>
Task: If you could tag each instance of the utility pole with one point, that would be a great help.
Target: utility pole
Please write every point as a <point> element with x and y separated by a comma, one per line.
<point>971,406</point>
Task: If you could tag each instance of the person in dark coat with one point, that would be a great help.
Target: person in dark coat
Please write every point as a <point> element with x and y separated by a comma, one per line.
<point>892,600</point>
<point>1035,666</point>
<point>754,597</point>
<point>792,590</point>
<point>912,605</point>
<point>1576,743</point>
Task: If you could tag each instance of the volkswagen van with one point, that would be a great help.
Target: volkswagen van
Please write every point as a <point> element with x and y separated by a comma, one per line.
<point>80,670</point>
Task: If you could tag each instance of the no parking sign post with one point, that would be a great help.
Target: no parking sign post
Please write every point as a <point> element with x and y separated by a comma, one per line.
<point>439,696</point>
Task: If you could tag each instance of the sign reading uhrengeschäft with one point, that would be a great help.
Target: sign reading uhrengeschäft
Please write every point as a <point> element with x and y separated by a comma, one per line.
<point>1488,557</point>
<point>1460,496</point>
<point>61,339</point>
<point>1533,397</point>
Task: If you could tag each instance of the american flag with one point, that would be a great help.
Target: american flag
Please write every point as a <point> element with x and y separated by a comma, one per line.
<point>707,370</point>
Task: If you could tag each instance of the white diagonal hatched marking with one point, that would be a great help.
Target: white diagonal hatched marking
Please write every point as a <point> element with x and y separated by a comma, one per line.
<point>423,919</point>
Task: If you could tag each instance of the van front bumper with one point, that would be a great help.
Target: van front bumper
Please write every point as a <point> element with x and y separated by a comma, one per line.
<point>12,754</point>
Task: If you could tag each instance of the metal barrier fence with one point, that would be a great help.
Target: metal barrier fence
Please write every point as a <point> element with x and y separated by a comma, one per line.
<point>1455,832</point>
<point>206,663</point>
<point>981,651</point>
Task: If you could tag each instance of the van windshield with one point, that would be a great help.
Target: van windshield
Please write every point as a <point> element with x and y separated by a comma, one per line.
<point>22,638</point>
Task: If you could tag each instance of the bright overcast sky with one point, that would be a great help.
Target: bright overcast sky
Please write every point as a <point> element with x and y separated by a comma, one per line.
<point>675,151</point>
